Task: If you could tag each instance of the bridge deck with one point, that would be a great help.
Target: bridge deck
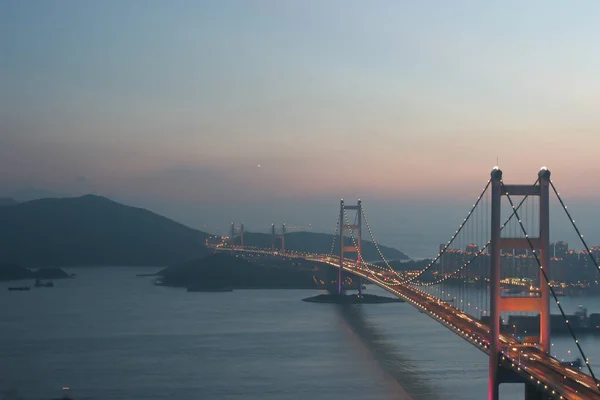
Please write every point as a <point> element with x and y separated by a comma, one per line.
<point>528,362</point>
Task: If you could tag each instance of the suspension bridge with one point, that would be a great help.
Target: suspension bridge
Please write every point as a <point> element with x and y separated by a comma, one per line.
<point>464,287</point>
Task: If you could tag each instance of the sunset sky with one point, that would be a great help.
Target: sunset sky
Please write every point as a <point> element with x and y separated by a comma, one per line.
<point>173,105</point>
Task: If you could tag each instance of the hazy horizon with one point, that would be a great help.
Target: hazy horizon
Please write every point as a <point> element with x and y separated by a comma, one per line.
<point>414,228</point>
<point>267,111</point>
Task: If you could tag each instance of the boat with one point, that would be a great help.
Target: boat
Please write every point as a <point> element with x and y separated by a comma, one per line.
<point>208,289</point>
<point>39,283</point>
<point>65,395</point>
<point>18,288</point>
<point>514,290</point>
<point>577,363</point>
<point>579,322</point>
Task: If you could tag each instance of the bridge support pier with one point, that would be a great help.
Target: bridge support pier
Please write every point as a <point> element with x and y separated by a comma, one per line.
<point>499,303</point>
<point>532,393</point>
<point>355,248</point>
<point>360,283</point>
<point>274,237</point>
<point>504,375</point>
<point>493,372</point>
<point>235,231</point>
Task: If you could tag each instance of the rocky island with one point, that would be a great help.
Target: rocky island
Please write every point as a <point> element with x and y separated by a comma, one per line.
<point>352,299</point>
<point>224,272</point>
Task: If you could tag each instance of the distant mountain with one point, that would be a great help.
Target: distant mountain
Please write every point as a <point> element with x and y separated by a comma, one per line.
<point>7,201</point>
<point>11,272</point>
<point>93,230</point>
<point>33,193</point>
<point>321,243</point>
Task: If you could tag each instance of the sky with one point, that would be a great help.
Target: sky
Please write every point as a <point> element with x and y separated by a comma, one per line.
<point>271,111</point>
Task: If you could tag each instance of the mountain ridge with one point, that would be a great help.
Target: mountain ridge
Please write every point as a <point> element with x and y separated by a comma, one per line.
<point>92,230</point>
<point>321,243</point>
<point>8,201</point>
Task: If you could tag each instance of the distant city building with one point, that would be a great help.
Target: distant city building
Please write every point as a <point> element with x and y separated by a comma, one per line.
<point>566,266</point>
<point>521,252</point>
<point>472,248</point>
<point>561,249</point>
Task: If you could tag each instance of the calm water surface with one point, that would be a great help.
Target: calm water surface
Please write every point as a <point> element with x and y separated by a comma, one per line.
<point>111,335</point>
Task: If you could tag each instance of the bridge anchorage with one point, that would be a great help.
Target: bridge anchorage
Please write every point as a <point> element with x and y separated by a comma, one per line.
<point>499,303</point>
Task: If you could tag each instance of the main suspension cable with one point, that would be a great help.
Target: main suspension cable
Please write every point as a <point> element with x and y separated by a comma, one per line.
<point>364,214</point>
<point>543,272</point>
<point>420,273</point>
<point>335,234</point>
<point>482,251</point>
<point>587,248</point>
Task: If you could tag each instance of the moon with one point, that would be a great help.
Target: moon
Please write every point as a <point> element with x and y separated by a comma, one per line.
<point>258,165</point>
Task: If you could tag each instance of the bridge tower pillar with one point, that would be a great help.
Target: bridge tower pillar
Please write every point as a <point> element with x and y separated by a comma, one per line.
<point>274,237</point>
<point>532,393</point>
<point>353,248</point>
<point>232,232</point>
<point>242,235</point>
<point>498,303</point>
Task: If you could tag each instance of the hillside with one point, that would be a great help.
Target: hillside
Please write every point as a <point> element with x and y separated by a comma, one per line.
<point>7,201</point>
<point>221,270</point>
<point>320,243</point>
<point>93,230</point>
<point>11,272</point>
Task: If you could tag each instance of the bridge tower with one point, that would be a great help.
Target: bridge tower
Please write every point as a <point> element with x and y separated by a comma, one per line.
<point>274,237</point>
<point>498,303</point>
<point>233,231</point>
<point>349,249</point>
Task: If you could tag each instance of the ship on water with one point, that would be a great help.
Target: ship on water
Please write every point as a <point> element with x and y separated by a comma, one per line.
<point>580,322</point>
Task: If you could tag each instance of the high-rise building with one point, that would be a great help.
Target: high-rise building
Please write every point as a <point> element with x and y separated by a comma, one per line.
<point>472,248</point>
<point>560,249</point>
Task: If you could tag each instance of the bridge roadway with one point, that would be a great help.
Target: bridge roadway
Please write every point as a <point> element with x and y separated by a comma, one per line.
<point>531,364</point>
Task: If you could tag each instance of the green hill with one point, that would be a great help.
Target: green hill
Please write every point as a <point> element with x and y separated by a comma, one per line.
<point>93,230</point>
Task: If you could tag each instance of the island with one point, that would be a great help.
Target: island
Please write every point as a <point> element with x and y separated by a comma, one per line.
<point>352,299</point>
<point>225,272</point>
<point>13,272</point>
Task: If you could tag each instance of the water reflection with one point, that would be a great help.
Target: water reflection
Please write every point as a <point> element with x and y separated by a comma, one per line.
<point>389,355</point>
